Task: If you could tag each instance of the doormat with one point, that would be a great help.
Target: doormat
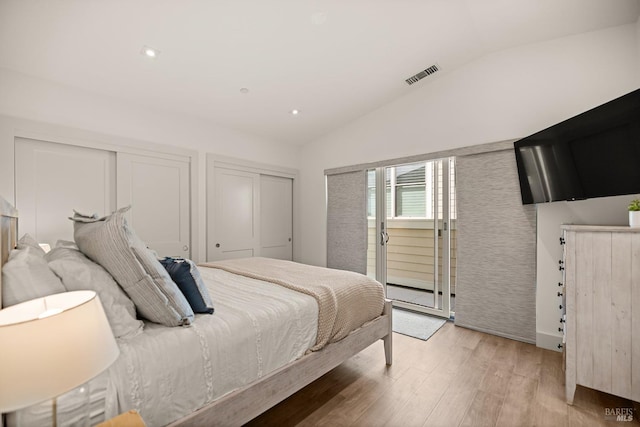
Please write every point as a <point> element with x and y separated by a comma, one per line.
<point>416,325</point>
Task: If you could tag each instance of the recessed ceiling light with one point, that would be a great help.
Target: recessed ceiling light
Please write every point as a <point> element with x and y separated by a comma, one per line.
<point>150,52</point>
<point>295,112</point>
<point>244,90</point>
<point>319,18</point>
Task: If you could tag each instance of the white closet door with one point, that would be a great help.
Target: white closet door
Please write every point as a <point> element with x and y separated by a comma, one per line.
<point>158,191</point>
<point>53,179</point>
<point>276,217</point>
<point>235,209</point>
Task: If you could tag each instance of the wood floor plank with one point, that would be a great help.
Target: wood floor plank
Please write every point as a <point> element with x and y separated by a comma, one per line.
<point>517,408</point>
<point>528,361</point>
<point>457,377</point>
<point>351,402</point>
<point>506,353</point>
<point>398,394</point>
<point>496,379</point>
<point>484,410</point>
<point>550,407</point>
<point>460,394</point>
<point>419,406</point>
<point>468,338</point>
<point>486,347</point>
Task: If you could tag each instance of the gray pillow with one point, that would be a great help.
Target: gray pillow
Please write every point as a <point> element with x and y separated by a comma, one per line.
<point>28,241</point>
<point>27,276</point>
<point>110,242</point>
<point>78,272</point>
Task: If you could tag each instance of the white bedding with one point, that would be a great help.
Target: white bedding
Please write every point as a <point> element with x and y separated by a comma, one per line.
<point>166,373</point>
<point>257,327</point>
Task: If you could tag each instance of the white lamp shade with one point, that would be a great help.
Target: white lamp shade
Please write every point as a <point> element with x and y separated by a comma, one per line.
<point>43,356</point>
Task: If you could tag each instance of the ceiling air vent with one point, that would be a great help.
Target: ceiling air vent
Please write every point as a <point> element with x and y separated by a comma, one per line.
<point>422,74</point>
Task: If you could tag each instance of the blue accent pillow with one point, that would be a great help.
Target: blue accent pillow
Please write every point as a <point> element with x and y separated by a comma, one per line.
<point>186,275</point>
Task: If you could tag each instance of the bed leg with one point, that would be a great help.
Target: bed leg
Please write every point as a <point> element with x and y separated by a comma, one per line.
<point>388,339</point>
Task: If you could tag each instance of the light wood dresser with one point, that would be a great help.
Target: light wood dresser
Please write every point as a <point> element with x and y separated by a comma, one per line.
<point>602,296</point>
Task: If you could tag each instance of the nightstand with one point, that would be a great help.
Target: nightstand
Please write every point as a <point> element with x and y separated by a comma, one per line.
<point>127,419</point>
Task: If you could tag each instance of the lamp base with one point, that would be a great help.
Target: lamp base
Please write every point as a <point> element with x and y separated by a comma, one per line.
<point>70,409</point>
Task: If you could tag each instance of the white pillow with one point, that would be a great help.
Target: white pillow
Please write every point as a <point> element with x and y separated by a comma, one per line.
<point>28,241</point>
<point>27,276</point>
<point>110,242</point>
<point>80,273</point>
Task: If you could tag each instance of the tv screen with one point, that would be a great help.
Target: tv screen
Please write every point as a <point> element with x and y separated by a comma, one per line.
<point>594,154</point>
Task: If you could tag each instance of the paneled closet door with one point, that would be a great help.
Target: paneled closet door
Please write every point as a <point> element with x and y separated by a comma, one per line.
<point>158,191</point>
<point>54,179</point>
<point>234,209</point>
<point>276,217</point>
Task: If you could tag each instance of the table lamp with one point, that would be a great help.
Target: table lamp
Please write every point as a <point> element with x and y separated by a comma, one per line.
<point>51,345</point>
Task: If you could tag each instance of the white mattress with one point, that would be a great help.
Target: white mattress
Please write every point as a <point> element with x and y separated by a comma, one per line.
<point>166,373</point>
<point>257,327</point>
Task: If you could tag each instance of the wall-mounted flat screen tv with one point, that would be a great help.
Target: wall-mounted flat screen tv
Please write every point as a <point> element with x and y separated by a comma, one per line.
<point>594,154</point>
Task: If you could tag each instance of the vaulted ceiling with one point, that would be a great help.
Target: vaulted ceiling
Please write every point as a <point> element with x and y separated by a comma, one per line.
<point>246,64</point>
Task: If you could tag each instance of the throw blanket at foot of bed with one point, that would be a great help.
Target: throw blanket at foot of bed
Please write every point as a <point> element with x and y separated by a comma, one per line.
<point>346,300</point>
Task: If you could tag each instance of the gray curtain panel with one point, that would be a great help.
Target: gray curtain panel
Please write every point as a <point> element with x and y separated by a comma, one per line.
<point>496,283</point>
<point>347,221</point>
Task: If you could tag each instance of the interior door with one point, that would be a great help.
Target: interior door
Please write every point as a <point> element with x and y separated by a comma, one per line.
<point>276,217</point>
<point>54,179</point>
<point>235,207</point>
<point>158,190</point>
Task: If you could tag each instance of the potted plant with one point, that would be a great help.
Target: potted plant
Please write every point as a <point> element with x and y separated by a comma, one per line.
<point>634,213</point>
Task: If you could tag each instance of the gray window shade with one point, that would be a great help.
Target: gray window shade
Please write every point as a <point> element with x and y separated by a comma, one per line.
<point>347,221</point>
<point>496,241</point>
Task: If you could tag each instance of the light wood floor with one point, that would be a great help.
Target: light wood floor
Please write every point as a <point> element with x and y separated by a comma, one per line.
<point>458,377</point>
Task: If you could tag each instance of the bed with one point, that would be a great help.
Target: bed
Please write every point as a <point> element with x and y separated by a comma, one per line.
<point>251,313</point>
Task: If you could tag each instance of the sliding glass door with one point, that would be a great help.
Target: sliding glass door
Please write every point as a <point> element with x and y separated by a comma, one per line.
<point>411,214</point>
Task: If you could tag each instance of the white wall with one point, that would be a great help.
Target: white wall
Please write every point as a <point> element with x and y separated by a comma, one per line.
<point>638,37</point>
<point>36,99</point>
<point>505,95</point>
<point>603,211</point>
<point>38,106</point>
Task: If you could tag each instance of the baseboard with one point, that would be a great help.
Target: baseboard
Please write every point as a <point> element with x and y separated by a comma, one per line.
<point>548,341</point>
<point>492,332</point>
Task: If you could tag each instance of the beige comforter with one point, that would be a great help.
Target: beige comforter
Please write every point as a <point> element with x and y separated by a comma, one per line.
<point>346,300</point>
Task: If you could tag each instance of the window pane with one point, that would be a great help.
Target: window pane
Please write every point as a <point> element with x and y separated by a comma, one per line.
<point>371,193</point>
<point>390,213</point>
<point>410,174</point>
<point>371,202</point>
<point>452,187</point>
<point>410,201</point>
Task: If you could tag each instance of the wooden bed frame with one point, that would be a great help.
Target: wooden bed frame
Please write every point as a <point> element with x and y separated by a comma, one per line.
<point>246,403</point>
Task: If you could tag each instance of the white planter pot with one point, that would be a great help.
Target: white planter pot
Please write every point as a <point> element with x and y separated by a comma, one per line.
<point>634,219</point>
